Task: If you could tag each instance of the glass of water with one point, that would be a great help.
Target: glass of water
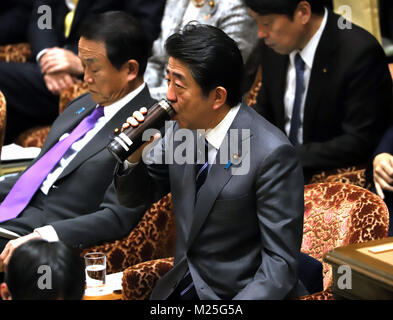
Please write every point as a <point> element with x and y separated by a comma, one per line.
<point>95,263</point>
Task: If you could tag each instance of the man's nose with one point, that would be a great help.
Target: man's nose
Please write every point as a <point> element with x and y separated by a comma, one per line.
<point>262,33</point>
<point>170,94</point>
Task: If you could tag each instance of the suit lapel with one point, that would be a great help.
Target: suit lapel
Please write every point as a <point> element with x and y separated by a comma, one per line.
<point>103,137</point>
<point>68,121</point>
<point>282,67</point>
<point>319,78</point>
<point>219,175</point>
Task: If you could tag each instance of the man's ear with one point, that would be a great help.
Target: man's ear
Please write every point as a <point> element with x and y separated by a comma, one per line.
<point>219,96</point>
<point>303,11</point>
<point>132,69</point>
<point>4,292</point>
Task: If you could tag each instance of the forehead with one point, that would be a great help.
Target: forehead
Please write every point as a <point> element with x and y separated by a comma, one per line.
<point>178,69</point>
<point>91,49</point>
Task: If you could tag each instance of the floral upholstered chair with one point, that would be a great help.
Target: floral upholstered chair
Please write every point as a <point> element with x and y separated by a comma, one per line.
<point>354,175</point>
<point>152,238</point>
<point>336,215</point>
<point>19,52</point>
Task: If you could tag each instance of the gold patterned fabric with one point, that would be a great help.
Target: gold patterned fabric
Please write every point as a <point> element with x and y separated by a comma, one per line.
<point>353,175</point>
<point>139,280</point>
<point>19,52</point>
<point>152,238</point>
<point>339,214</point>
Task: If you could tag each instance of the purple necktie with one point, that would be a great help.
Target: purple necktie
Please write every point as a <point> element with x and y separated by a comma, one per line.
<point>29,182</point>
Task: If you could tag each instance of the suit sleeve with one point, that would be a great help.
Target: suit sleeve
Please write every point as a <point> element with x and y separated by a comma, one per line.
<point>386,143</point>
<point>110,222</point>
<point>144,184</point>
<point>280,209</point>
<point>47,12</point>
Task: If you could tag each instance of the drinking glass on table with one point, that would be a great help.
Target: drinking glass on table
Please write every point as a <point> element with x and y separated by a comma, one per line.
<point>95,263</point>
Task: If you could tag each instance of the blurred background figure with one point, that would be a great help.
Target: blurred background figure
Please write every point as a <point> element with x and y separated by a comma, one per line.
<point>41,270</point>
<point>231,16</point>
<point>14,20</point>
<point>53,35</point>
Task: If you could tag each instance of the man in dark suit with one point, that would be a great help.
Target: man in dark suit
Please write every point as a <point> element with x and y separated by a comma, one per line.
<point>14,20</point>
<point>76,201</point>
<point>238,206</point>
<point>328,87</point>
<point>56,65</point>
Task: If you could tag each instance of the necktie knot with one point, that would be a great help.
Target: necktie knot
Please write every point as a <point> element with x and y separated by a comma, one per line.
<point>97,113</point>
<point>299,63</point>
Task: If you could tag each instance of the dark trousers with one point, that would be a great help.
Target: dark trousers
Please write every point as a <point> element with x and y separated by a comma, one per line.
<point>310,273</point>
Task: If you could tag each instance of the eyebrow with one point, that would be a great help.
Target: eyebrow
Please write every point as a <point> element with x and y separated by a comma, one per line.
<point>177,75</point>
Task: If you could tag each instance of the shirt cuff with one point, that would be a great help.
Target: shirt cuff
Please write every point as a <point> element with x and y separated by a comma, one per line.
<point>40,54</point>
<point>128,166</point>
<point>48,233</point>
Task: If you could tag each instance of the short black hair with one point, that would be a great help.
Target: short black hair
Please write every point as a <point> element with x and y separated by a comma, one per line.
<point>287,7</point>
<point>213,57</point>
<point>123,36</point>
<point>32,260</point>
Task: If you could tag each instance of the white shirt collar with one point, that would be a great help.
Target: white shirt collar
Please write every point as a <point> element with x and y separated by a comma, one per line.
<point>112,109</point>
<point>308,52</point>
<point>216,135</point>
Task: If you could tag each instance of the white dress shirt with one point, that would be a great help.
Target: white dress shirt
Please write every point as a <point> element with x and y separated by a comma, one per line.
<point>48,232</point>
<point>216,135</point>
<point>307,54</point>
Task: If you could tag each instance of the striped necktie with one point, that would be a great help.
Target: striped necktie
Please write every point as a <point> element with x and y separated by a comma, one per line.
<point>295,120</point>
<point>201,169</point>
<point>29,182</point>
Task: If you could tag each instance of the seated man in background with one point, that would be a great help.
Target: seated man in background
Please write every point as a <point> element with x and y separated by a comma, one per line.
<point>327,87</point>
<point>238,207</point>
<point>14,20</point>
<point>40,270</point>
<point>67,193</point>
<point>231,16</point>
<point>32,89</point>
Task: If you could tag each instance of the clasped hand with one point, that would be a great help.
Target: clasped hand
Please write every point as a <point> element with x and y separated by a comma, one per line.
<point>383,173</point>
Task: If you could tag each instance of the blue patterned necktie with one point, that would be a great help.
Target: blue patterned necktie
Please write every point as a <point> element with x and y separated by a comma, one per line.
<point>29,182</point>
<point>295,120</point>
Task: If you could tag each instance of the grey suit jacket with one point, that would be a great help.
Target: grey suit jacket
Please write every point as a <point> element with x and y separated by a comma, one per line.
<point>82,205</point>
<point>240,238</point>
<point>231,16</point>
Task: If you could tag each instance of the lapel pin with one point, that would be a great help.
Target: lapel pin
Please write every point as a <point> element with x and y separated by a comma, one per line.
<point>228,165</point>
<point>236,158</point>
<point>80,110</point>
